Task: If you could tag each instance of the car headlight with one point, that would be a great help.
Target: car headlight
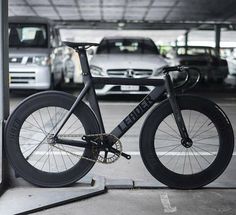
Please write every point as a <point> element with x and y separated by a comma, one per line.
<point>42,60</point>
<point>159,71</point>
<point>96,71</point>
<point>70,67</point>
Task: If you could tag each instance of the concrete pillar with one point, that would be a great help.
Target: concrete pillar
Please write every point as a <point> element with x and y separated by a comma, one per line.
<point>186,41</point>
<point>217,38</point>
<point>4,85</point>
<point>176,43</point>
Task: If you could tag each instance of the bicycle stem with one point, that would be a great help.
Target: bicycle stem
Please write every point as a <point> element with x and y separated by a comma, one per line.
<point>175,107</point>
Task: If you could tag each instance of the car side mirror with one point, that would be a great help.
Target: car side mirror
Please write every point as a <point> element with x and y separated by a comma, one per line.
<point>90,51</point>
<point>164,55</point>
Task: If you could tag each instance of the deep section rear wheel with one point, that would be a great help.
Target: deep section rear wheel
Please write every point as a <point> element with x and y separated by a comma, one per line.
<point>28,135</point>
<point>183,166</point>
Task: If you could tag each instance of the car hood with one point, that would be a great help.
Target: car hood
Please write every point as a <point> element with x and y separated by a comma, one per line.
<point>29,52</point>
<point>118,61</point>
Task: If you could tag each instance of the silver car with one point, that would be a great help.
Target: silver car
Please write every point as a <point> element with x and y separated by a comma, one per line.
<point>35,62</point>
<point>126,57</point>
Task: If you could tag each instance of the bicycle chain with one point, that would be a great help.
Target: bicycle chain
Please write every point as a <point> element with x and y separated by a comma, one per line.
<point>101,135</point>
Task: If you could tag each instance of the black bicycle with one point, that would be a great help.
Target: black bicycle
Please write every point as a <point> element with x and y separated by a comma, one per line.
<point>53,138</point>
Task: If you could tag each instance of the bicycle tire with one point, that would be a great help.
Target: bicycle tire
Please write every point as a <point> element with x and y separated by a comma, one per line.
<point>22,130</point>
<point>177,176</point>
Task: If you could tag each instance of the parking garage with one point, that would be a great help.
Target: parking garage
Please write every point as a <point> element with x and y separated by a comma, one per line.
<point>197,34</point>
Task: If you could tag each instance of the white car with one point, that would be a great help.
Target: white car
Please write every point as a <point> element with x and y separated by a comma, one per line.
<point>231,78</point>
<point>231,60</point>
<point>35,61</point>
<point>126,57</point>
<point>72,67</point>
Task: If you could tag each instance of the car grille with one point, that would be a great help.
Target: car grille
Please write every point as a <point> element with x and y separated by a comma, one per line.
<point>15,59</point>
<point>134,73</point>
<point>22,77</point>
<point>193,62</point>
<point>22,60</point>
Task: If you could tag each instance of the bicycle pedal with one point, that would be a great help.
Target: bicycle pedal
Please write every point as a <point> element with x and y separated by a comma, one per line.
<point>128,157</point>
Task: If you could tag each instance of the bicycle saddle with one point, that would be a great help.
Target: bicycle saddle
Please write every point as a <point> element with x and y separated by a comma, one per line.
<point>79,45</point>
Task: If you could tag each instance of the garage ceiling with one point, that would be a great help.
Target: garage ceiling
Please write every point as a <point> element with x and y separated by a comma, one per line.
<point>149,12</point>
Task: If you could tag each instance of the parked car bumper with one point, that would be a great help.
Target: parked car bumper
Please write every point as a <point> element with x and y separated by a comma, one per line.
<point>232,67</point>
<point>218,73</point>
<point>124,89</point>
<point>30,77</point>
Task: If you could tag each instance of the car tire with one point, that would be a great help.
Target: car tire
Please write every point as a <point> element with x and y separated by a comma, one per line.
<point>52,83</point>
<point>220,80</point>
<point>61,82</point>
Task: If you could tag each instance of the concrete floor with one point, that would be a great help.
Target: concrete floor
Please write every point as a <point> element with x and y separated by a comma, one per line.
<point>153,202</point>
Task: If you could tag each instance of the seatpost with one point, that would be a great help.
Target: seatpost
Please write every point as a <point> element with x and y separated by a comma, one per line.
<point>81,51</point>
<point>175,107</point>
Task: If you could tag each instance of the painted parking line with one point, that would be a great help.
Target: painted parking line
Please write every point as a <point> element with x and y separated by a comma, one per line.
<point>136,103</point>
<point>166,203</point>
<point>136,153</point>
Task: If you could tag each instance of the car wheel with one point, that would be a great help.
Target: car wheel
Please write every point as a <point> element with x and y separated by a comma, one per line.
<point>207,79</point>
<point>71,80</point>
<point>52,83</point>
<point>219,80</point>
<point>61,82</point>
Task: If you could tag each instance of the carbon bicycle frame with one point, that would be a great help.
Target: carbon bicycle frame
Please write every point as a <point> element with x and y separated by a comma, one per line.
<point>160,87</point>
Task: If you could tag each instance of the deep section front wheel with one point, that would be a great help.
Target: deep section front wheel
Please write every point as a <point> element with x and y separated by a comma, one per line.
<point>29,131</point>
<point>187,166</point>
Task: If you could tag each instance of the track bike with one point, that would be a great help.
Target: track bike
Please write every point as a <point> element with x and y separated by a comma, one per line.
<point>53,138</point>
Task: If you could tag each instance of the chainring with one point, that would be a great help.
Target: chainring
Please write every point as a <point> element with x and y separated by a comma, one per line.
<point>101,154</point>
<point>106,155</point>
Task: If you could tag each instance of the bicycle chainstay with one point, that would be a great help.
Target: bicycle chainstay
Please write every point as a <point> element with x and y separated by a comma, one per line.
<point>110,154</point>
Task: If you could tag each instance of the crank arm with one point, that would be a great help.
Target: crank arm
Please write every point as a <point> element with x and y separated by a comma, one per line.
<point>128,157</point>
<point>77,143</point>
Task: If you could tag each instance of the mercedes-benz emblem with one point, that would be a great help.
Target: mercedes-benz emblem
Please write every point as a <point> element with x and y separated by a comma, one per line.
<point>130,73</point>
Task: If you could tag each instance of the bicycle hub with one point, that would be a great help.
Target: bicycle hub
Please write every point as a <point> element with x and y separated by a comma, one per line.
<point>187,143</point>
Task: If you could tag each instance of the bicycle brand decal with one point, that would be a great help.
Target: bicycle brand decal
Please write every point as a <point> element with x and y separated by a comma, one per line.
<point>15,126</point>
<point>136,113</point>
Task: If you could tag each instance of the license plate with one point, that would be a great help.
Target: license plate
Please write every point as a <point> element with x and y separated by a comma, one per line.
<point>129,88</point>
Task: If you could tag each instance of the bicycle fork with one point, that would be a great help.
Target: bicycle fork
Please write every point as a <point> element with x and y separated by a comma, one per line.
<point>186,141</point>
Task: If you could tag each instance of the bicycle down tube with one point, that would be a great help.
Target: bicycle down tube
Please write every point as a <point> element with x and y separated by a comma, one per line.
<point>138,112</point>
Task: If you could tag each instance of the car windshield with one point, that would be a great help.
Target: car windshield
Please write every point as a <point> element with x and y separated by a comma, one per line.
<point>28,35</point>
<point>127,46</point>
<point>194,51</point>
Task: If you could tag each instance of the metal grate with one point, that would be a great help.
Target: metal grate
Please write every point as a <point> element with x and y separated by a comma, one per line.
<point>21,77</point>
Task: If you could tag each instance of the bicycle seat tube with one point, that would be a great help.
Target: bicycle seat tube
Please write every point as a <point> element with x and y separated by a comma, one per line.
<point>176,111</point>
<point>88,89</point>
<point>87,79</point>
